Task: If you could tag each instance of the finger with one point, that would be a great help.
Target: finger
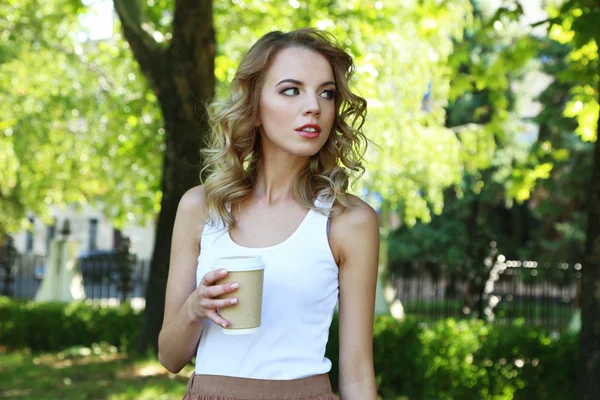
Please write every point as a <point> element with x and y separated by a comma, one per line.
<point>217,319</point>
<point>218,290</point>
<point>222,303</point>
<point>212,276</point>
<point>213,304</point>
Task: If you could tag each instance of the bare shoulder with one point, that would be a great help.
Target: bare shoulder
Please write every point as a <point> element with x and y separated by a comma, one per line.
<point>358,214</point>
<point>355,227</point>
<point>194,199</point>
<point>191,213</point>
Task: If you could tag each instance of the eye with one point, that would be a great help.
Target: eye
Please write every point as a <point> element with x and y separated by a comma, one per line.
<point>293,91</point>
<point>328,94</point>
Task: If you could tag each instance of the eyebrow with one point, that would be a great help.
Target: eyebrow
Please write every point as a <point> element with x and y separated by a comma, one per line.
<point>297,82</point>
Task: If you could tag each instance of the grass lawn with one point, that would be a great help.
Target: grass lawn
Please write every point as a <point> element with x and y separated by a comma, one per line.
<point>87,373</point>
<point>90,374</point>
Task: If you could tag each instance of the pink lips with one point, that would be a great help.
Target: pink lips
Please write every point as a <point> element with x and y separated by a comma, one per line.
<point>316,127</point>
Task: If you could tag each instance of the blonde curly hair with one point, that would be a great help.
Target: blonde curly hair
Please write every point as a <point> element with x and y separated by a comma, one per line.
<point>233,154</point>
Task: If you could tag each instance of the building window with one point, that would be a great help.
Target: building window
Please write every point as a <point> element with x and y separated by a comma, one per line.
<point>29,237</point>
<point>93,242</point>
<point>49,236</point>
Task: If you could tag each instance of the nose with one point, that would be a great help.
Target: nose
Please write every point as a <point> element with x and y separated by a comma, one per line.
<point>312,106</point>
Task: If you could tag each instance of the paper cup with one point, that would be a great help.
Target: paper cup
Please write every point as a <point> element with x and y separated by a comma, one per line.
<point>245,317</point>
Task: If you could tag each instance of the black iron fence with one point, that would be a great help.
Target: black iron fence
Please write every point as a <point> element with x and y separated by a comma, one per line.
<point>546,295</point>
<point>103,281</point>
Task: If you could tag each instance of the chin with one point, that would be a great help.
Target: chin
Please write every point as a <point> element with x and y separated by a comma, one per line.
<point>307,151</point>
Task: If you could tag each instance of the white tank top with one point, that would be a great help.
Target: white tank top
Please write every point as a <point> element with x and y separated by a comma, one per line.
<point>300,293</point>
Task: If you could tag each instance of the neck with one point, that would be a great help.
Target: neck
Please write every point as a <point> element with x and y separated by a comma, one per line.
<point>276,174</point>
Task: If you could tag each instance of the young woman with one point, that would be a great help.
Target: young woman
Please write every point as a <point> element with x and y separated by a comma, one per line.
<point>281,153</point>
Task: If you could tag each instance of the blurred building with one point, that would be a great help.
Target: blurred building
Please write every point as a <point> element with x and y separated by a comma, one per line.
<point>90,228</point>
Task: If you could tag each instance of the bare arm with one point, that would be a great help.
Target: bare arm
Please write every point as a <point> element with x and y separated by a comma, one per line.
<point>356,233</point>
<point>186,307</point>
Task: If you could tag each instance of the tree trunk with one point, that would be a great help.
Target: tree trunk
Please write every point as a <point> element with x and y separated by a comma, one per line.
<point>182,76</point>
<point>589,339</point>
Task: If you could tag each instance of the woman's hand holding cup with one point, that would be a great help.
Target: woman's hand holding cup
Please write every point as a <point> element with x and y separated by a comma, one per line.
<point>204,303</point>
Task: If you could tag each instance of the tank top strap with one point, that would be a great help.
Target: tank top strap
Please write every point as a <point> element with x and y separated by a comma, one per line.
<point>315,229</point>
<point>326,203</point>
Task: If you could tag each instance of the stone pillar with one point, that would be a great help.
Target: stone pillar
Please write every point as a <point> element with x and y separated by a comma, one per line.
<point>62,279</point>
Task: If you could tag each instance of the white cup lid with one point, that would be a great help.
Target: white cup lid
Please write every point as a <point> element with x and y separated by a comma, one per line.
<point>239,263</point>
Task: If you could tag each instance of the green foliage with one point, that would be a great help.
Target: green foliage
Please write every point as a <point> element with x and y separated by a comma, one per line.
<point>77,124</point>
<point>55,326</point>
<point>451,238</point>
<point>576,22</point>
<point>560,200</point>
<point>94,129</point>
<point>415,156</point>
<point>486,66</point>
<point>558,163</point>
<point>447,360</point>
<point>530,198</point>
<point>74,136</point>
<point>467,360</point>
<point>542,366</point>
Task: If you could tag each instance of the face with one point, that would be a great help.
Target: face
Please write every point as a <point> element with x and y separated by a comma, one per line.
<point>297,106</point>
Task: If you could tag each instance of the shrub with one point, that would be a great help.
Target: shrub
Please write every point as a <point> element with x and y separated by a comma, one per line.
<point>448,360</point>
<point>55,326</point>
<point>467,359</point>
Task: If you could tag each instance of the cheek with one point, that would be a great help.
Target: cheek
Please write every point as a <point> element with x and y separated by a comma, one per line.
<point>272,113</point>
<point>329,115</point>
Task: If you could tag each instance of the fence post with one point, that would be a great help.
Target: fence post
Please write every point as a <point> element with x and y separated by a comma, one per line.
<point>8,255</point>
<point>125,260</point>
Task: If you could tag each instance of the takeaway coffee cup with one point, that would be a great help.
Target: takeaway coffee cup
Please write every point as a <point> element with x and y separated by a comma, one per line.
<point>248,272</point>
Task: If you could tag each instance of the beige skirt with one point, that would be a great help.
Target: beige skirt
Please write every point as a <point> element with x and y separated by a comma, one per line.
<point>217,387</point>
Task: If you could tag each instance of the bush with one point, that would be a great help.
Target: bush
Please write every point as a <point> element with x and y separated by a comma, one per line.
<point>55,326</point>
<point>467,359</point>
<point>449,360</point>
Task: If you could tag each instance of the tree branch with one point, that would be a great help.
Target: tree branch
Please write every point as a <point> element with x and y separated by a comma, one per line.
<point>148,53</point>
